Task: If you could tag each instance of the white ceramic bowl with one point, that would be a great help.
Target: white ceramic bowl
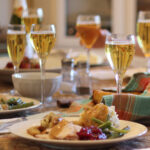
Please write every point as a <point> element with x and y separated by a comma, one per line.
<point>28,84</point>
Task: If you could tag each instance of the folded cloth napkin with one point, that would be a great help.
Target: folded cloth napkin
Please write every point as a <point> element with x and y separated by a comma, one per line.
<point>129,106</point>
<point>136,85</point>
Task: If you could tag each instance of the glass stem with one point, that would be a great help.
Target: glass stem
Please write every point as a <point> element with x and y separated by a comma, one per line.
<point>42,66</point>
<point>148,65</point>
<point>88,58</point>
<point>16,69</point>
<point>29,50</point>
<point>119,80</point>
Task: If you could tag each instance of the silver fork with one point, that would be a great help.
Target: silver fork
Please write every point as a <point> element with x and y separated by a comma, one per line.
<point>10,123</point>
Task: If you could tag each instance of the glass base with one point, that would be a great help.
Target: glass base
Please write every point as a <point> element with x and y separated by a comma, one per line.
<point>47,104</point>
<point>13,92</point>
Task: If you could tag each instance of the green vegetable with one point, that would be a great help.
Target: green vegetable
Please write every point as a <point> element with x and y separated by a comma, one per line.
<point>115,135</point>
<point>97,121</point>
<point>118,130</point>
<point>110,131</point>
<point>106,124</point>
<point>24,105</point>
<point>12,101</point>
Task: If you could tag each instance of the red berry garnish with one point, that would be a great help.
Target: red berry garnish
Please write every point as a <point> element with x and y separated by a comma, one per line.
<point>9,65</point>
<point>91,133</point>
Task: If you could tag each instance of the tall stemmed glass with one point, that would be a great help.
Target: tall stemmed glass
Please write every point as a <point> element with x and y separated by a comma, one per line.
<point>29,17</point>
<point>16,42</point>
<point>119,50</point>
<point>43,39</point>
<point>88,27</point>
<point>143,34</point>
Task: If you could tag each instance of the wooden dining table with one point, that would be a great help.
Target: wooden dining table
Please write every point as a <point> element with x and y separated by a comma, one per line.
<point>11,142</point>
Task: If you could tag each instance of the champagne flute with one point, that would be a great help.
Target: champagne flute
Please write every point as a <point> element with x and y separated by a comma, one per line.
<point>143,34</point>
<point>16,41</point>
<point>119,50</point>
<point>29,17</point>
<point>43,39</point>
<point>88,27</point>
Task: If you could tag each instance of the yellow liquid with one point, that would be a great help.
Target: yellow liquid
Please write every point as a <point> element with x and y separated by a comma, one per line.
<point>143,32</point>
<point>43,43</point>
<point>16,47</point>
<point>28,21</point>
<point>88,33</point>
<point>119,56</point>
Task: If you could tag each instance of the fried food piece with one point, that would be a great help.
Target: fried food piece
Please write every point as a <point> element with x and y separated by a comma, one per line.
<point>99,111</point>
<point>98,95</point>
<point>34,130</point>
<point>50,120</point>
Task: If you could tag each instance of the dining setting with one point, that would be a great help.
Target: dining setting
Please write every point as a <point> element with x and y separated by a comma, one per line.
<point>74,75</point>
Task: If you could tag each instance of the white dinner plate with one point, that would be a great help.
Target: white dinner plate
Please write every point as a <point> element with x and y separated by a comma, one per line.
<point>20,129</point>
<point>24,99</point>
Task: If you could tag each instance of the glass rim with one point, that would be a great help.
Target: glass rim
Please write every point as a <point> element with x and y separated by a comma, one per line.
<point>16,25</point>
<point>96,19</point>
<point>144,11</point>
<point>120,38</point>
<point>28,9</point>
<point>34,12</point>
<point>43,25</point>
<point>120,34</point>
<point>143,16</point>
<point>13,28</point>
<point>89,15</point>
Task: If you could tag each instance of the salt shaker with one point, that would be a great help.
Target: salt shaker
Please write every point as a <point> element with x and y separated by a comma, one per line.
<point>68,84</point>
<point>83,79</point>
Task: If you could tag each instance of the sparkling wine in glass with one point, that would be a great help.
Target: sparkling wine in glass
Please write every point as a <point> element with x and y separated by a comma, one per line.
<point>88,27</point>
<point>16,42</point>
<point>143,34</point>
<point>43,38</point>
<point>119,50</point>
<point>29,17</point>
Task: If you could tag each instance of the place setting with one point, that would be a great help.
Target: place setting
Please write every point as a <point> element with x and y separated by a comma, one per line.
<point>78,88</point>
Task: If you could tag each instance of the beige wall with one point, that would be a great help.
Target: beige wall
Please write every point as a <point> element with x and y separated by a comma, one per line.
<point>48,6</point>
<point>5,12</point>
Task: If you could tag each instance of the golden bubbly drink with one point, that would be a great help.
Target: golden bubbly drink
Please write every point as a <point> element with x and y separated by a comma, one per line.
<point>28,21</point>
<point>143,32</point>
<point>119,56</point>
<point>88,33</point>
<point>16,42</point>
<point>43,42</point>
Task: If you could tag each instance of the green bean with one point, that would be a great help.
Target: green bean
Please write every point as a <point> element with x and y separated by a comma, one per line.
<point>115,135</point>
<point>106,124</point>
<point>97,121</point>
<point>21,105</point>
<point>12,101</point>
<point>118,130</point>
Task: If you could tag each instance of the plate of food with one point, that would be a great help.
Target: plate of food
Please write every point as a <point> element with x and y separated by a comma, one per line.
<point>14,104</point>
<point>96,58</point>
<point>97,126</point>
<point>27,65</point>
